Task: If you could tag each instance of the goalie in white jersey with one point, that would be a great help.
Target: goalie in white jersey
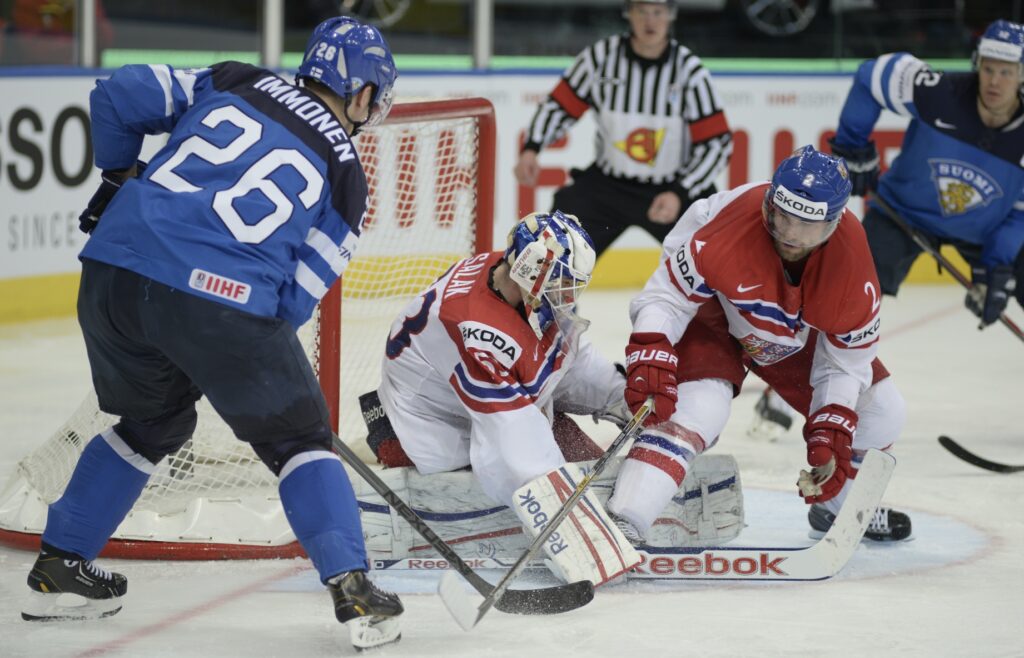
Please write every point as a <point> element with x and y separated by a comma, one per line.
<point>478,367</point>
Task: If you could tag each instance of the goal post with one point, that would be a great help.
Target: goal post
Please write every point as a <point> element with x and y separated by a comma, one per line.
<point>430,170</point>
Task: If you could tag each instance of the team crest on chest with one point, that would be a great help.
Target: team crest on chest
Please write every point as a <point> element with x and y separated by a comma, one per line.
<point>962,187</point>
<point>765,352</point>
<point>642,145</point>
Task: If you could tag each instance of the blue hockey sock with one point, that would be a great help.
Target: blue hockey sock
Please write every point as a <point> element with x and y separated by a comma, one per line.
<point>322,510</point>
<point>106,483</point>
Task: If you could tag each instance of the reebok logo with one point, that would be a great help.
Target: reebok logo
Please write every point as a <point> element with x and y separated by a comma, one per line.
<point>710,565</point>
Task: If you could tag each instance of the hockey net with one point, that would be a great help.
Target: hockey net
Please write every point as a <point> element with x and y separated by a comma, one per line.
<point>430,169</point>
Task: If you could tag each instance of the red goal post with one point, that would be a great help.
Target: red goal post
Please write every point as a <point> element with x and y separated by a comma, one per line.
<point>430,169</point>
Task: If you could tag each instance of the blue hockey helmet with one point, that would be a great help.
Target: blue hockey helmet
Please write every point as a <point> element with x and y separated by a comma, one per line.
<point>551,258</point>
<point>1003,41</point>
<point>806,198</point>
<point>345,56</point>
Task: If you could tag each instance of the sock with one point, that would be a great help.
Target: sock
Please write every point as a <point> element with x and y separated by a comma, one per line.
<point>321,507</point>
<point>105,484</point>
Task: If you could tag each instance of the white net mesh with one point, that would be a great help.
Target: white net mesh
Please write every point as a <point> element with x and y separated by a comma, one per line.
<point>424,213</point>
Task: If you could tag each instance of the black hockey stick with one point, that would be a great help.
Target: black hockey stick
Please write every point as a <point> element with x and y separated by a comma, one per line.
<point>940,259</point>
<point>543,601</point>
<point>465,610</point>
<point>971,458</point>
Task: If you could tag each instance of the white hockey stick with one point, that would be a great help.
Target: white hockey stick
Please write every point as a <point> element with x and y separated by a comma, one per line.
<point>817,562</point>
<point>468,609</point>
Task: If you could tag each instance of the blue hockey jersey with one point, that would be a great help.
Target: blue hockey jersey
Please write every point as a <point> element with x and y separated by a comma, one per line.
<point>256,201</point>
<point>955,178</point>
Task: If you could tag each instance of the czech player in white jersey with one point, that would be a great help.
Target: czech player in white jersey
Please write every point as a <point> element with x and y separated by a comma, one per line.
<point>479,367</point>
<point>774,277</point>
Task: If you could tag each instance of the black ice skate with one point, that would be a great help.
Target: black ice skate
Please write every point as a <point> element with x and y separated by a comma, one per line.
<point>886,524</point>
<point>771,419</point>
<point>628,530</point>
<point>66,589</point>
<point>370,613</point>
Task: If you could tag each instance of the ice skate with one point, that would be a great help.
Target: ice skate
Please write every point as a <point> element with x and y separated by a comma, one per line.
<point>72,590</point>
<point>370,613</point>
<point>772,417</point>
<point>886,525</point>
<point>628,530</point>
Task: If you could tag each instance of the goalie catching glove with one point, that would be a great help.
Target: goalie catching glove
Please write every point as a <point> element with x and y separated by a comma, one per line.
<point>651,365</point>
<point>829,439</point>
<point>586,545</point>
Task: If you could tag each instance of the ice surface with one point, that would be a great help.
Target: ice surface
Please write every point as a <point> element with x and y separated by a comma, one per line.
<point>956,590</point>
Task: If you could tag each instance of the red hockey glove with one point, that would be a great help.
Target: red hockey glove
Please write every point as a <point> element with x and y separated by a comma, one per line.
<point>651,370</point>
<point>829,438</point>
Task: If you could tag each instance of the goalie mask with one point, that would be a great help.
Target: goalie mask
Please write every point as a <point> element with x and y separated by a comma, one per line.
<point>806,198</point>
<point>345,56</point>
<point>551,258</point>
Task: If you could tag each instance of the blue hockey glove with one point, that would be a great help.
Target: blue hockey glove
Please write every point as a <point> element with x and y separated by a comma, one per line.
<point>863,164</point>
<point>991,291</point>
<point>110,182</point>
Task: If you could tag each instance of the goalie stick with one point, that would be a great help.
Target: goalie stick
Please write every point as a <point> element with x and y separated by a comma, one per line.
<point>543,601</point>
<point>971,458</point>
<point>464,606</point>
<point>941,260</point>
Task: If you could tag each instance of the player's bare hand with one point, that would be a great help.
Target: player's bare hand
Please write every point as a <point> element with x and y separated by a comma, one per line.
<point>665,208</point>
<point>527,168</point>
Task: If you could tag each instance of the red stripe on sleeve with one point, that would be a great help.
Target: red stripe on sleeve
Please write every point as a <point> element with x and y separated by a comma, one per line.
<point>704,129</point>
<point>567,98</point>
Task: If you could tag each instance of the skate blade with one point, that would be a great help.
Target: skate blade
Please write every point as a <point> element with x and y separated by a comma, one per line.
<point>68,607</point>
<point>372,632</point>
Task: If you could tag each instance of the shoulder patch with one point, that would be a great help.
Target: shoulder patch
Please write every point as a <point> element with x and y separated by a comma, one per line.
<point>481,338</point>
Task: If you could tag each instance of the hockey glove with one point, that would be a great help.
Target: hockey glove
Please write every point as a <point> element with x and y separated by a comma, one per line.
<point>863,164</point>
<point>829,438</point>
<point>991,291</point>
<point>111,181</point>
<point>651,364</point>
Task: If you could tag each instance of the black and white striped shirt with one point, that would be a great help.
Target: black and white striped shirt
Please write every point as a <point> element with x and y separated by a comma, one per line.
<point>658,121</point>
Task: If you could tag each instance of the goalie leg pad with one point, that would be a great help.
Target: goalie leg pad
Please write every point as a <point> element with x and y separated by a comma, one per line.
<point>587,545</point>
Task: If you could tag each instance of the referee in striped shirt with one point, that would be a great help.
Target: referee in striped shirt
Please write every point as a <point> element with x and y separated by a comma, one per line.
<point>662,137</point>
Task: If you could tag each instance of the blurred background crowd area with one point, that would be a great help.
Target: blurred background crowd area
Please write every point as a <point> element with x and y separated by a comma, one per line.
<point>439,34</point>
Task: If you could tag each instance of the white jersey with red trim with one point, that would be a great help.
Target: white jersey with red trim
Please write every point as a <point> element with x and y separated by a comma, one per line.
<point>721,249</point>
<point>466,381</point>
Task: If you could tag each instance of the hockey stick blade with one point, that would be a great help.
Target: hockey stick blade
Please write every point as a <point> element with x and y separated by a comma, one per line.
<point>817,562</point>
<point>468,611</point>
<point>971,458</point>
<point>543,601</point>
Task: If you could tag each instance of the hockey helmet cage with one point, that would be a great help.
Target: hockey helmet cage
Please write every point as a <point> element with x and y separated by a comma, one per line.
<point>1003,41</point>
<point>550,258</point>
<point>345,56</point>
<point>806,198</point>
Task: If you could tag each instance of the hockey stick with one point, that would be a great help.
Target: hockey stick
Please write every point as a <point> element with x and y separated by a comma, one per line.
<point>463,606</point>
<point>544,601</point>
<point>971,458</point>
<point>940,259</point>
<point>820,561</point>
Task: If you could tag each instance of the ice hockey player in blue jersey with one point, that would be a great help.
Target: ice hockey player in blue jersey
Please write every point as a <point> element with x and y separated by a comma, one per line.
<point>199,269</point>
<point>959,178</point>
